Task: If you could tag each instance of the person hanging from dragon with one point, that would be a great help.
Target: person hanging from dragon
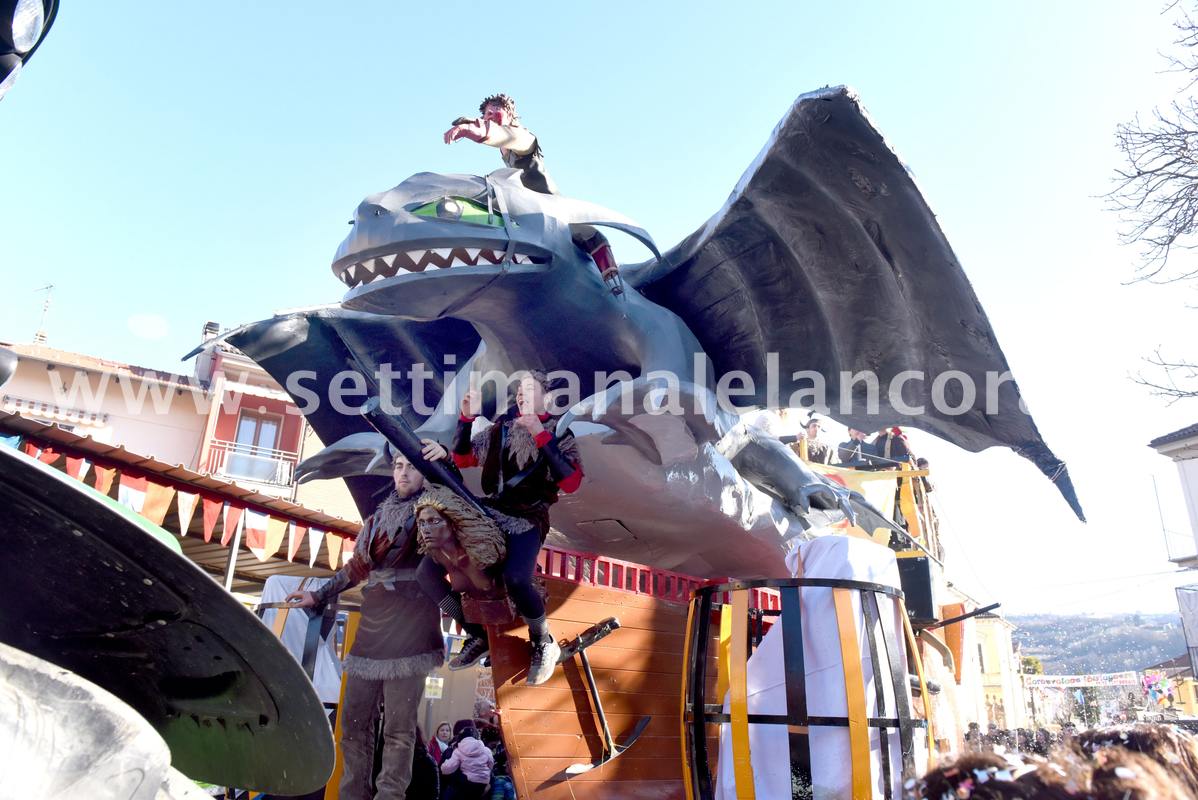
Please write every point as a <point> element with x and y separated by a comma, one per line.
<point>499,127</point>
<point>524,469</point>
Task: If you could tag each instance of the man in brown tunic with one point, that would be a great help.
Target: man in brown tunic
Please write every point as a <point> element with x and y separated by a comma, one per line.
<point>398,643</point>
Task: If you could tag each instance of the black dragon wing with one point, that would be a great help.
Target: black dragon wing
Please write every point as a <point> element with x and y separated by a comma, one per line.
<point>313,353</point>
<point>827,255</point>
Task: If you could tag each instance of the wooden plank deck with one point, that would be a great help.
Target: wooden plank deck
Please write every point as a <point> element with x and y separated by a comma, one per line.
<point>638,670</point>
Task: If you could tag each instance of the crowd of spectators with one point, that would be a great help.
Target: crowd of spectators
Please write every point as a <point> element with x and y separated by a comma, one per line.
<point>464,762</point>
<point>1129,762</point>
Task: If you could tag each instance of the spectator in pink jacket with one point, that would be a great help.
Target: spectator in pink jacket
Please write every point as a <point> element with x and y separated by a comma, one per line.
<point>475,760</point>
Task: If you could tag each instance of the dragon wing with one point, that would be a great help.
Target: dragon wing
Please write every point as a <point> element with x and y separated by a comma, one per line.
<point>827,255</point>
<point>311,353</point>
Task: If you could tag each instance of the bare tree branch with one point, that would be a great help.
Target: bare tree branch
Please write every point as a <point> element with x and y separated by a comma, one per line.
<point>1178,381</point>
<point>1156,192</point>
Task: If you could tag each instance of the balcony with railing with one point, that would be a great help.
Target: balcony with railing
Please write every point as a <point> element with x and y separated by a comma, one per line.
<point>249,463</point>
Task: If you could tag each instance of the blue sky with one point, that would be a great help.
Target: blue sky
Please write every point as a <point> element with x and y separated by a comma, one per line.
<point>168,164</point>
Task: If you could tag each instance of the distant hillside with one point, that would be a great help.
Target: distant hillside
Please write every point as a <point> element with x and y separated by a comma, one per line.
<point>1069,645</point>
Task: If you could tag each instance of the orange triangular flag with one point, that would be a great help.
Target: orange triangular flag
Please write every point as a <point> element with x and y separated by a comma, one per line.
<point>335,543</point>
<point>296,534</point>
<point>231,524</point>
<point>186,508</point>
<point>275,529</point>
<point>212,509</point>
<point>104,476</point>
<point>158,500</point>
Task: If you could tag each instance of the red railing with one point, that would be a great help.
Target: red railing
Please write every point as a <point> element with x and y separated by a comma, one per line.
<point>592,569</point>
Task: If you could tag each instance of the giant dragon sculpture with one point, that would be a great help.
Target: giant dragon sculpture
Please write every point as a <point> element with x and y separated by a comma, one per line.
<point>824,260</point>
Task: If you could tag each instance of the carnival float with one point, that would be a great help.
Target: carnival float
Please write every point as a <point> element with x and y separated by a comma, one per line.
<point>734,620</point>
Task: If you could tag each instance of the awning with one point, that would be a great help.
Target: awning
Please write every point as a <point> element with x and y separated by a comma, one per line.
<point>48,411</point>
<point>233,387</point>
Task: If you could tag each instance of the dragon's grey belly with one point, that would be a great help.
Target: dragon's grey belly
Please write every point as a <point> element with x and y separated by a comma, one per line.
<point>695,515</point>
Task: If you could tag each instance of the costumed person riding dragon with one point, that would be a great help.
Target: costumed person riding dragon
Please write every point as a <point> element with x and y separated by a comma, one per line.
<point>524,467</point>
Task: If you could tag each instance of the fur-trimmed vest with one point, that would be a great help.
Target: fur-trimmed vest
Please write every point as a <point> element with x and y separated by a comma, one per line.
<point>399,634</point>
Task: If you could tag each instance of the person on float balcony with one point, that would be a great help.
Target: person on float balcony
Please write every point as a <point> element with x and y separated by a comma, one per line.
<point>524,468</point>
<point>499,127</point>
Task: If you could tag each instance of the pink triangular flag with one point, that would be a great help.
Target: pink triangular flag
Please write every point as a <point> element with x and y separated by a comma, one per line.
<point>232,522</point>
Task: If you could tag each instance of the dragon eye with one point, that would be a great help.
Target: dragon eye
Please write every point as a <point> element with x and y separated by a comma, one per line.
<point>458,209</point>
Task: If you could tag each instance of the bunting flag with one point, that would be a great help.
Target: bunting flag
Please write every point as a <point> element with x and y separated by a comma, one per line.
<point>158,500</point>
<point>186,508</point>
<point>32,450</point>
<point>232,522</point>
<point>275,530</point>
<point>334,543</point>
<point>131,491</point>
<point>211,511</point>
<point>77,467</point>
<point>48,456</point>
<point>315,538</point>
<point>296,535</point>
<point>255,532</point>
<point>104,476</point>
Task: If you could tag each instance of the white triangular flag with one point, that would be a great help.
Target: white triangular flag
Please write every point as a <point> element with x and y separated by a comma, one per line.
<point>186,508</point>
<point>315,539</point>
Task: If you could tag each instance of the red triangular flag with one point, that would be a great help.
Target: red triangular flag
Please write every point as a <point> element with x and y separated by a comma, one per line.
<point>31,449</point>
<point>297,535</point>
<point>211,510</point>
<point>131,491</point>
<point>255,531</point>
<point>76,467</point>
<point>232,522</point>
<point>48,456</point>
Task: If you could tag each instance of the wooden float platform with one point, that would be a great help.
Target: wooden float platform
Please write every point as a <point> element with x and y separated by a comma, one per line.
<point>638,671</point>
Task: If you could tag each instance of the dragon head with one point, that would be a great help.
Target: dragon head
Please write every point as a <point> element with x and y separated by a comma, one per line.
<point>428,247</point>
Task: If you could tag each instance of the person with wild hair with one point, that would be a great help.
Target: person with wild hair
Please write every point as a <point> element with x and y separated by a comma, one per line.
<point>525,466</point>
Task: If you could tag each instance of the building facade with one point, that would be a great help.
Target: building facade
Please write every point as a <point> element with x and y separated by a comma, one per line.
<point>229,419</point>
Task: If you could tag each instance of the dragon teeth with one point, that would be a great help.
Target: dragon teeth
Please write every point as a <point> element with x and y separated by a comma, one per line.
<point>351,272</point>
<point>369,267</point>
<point>520,258</point>
<point>472,254</point>
<point>389,260</point>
